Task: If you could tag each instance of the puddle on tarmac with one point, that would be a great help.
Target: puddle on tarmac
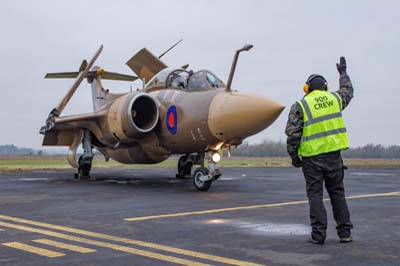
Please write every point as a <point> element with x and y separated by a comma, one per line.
<point>275,229</point>
<point>31,179</point>
<point>121,182</point>
<point>135,182</point>
<point>174,181</point>
<point>263,228</point>
<point>228,178</point>
<point>117,182</point>
<point>373,174</point>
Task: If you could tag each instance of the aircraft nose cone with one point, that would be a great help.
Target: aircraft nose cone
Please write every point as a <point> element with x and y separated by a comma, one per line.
<point>233,117</point>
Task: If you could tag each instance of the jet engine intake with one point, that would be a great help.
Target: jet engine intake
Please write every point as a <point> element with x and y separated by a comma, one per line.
<point>144,113</point>
<point>132,115</point>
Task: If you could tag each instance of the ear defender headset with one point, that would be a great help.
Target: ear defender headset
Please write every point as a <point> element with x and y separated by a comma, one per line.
<point>307,85</point>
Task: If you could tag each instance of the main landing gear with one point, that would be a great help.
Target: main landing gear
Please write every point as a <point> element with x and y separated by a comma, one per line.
<point>85,160</point>
<point>202,176</point>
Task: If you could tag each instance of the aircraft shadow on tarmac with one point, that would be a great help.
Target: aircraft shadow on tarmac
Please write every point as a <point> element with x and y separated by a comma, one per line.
<point>140,179</point>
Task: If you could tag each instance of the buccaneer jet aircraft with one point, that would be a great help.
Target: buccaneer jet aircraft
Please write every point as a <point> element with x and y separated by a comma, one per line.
<point>190,113</point>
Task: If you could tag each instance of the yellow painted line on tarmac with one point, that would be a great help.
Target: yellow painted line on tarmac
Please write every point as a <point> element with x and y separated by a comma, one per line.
<point>35,250</point>
<point>64,245</point>
<point>131,241</point>
<point>215,211</point>
<point>388,194</point>
<point>101,244</point>
<point>280,204</point>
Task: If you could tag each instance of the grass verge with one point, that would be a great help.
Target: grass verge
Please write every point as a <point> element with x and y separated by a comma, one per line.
<point>57,162</point>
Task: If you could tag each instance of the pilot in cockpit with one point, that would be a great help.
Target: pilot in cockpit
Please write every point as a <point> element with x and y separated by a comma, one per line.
<point>189,80</point>
<point>180,82</point>
<point>198,80</point>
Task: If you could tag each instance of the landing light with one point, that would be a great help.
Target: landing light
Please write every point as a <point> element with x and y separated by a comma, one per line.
<point>216,157</point>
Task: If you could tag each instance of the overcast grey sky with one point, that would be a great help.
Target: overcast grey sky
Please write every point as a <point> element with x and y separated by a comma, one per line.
<point>292,39</point>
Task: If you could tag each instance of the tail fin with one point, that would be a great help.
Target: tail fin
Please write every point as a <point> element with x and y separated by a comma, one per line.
<point>98,92</point>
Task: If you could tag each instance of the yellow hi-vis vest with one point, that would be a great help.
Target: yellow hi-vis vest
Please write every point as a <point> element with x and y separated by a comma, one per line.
<point>324,130</point>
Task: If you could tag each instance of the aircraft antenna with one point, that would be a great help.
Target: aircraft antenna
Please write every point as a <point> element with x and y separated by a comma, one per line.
<point>169,49</point>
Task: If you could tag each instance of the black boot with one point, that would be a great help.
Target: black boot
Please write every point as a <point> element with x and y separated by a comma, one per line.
<point>315,241</point>
<point>346,239</point>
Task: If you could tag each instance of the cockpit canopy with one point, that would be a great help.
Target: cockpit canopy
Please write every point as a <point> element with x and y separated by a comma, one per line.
<point>185,80</point>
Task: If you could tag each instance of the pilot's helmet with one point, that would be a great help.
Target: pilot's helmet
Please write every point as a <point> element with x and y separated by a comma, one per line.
<point>179,82</point>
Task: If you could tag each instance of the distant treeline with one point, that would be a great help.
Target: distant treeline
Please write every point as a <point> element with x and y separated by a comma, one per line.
<point>374,151</point>
<point>270,148</point>
<point>14,150</point>
<point>267,148</point>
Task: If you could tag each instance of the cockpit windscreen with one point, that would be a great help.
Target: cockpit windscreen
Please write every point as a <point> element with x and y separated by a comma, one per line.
<point>186,80</point>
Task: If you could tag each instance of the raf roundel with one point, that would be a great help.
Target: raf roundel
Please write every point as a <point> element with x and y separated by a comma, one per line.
<point>172,120</point>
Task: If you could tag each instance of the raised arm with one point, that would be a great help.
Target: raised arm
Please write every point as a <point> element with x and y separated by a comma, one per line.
<point>346,90</point>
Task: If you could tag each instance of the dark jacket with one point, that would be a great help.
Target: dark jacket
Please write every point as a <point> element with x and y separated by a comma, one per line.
<point>295,123</point>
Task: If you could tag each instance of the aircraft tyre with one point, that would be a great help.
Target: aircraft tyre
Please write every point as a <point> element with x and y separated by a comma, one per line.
<point>198,183</point>
<point>84,171</point>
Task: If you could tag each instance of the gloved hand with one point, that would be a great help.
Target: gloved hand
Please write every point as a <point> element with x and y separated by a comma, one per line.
<point>296,161</point>
<point>342,66</point>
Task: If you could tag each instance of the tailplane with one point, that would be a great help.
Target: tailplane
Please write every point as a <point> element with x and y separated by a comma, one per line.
<point>94,77</point>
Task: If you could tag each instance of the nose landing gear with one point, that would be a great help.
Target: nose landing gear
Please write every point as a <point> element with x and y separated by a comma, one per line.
<point>203,176</point>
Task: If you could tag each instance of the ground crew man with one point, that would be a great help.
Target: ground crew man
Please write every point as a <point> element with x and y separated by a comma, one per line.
<point>315,136</point>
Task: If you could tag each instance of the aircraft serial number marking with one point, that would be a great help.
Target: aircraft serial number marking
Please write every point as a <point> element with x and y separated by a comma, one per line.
<point>174,95</point>
<point>200,134</point>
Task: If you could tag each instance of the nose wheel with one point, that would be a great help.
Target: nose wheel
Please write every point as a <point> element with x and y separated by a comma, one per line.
<point>201,179</point>
<point>202,176</point>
